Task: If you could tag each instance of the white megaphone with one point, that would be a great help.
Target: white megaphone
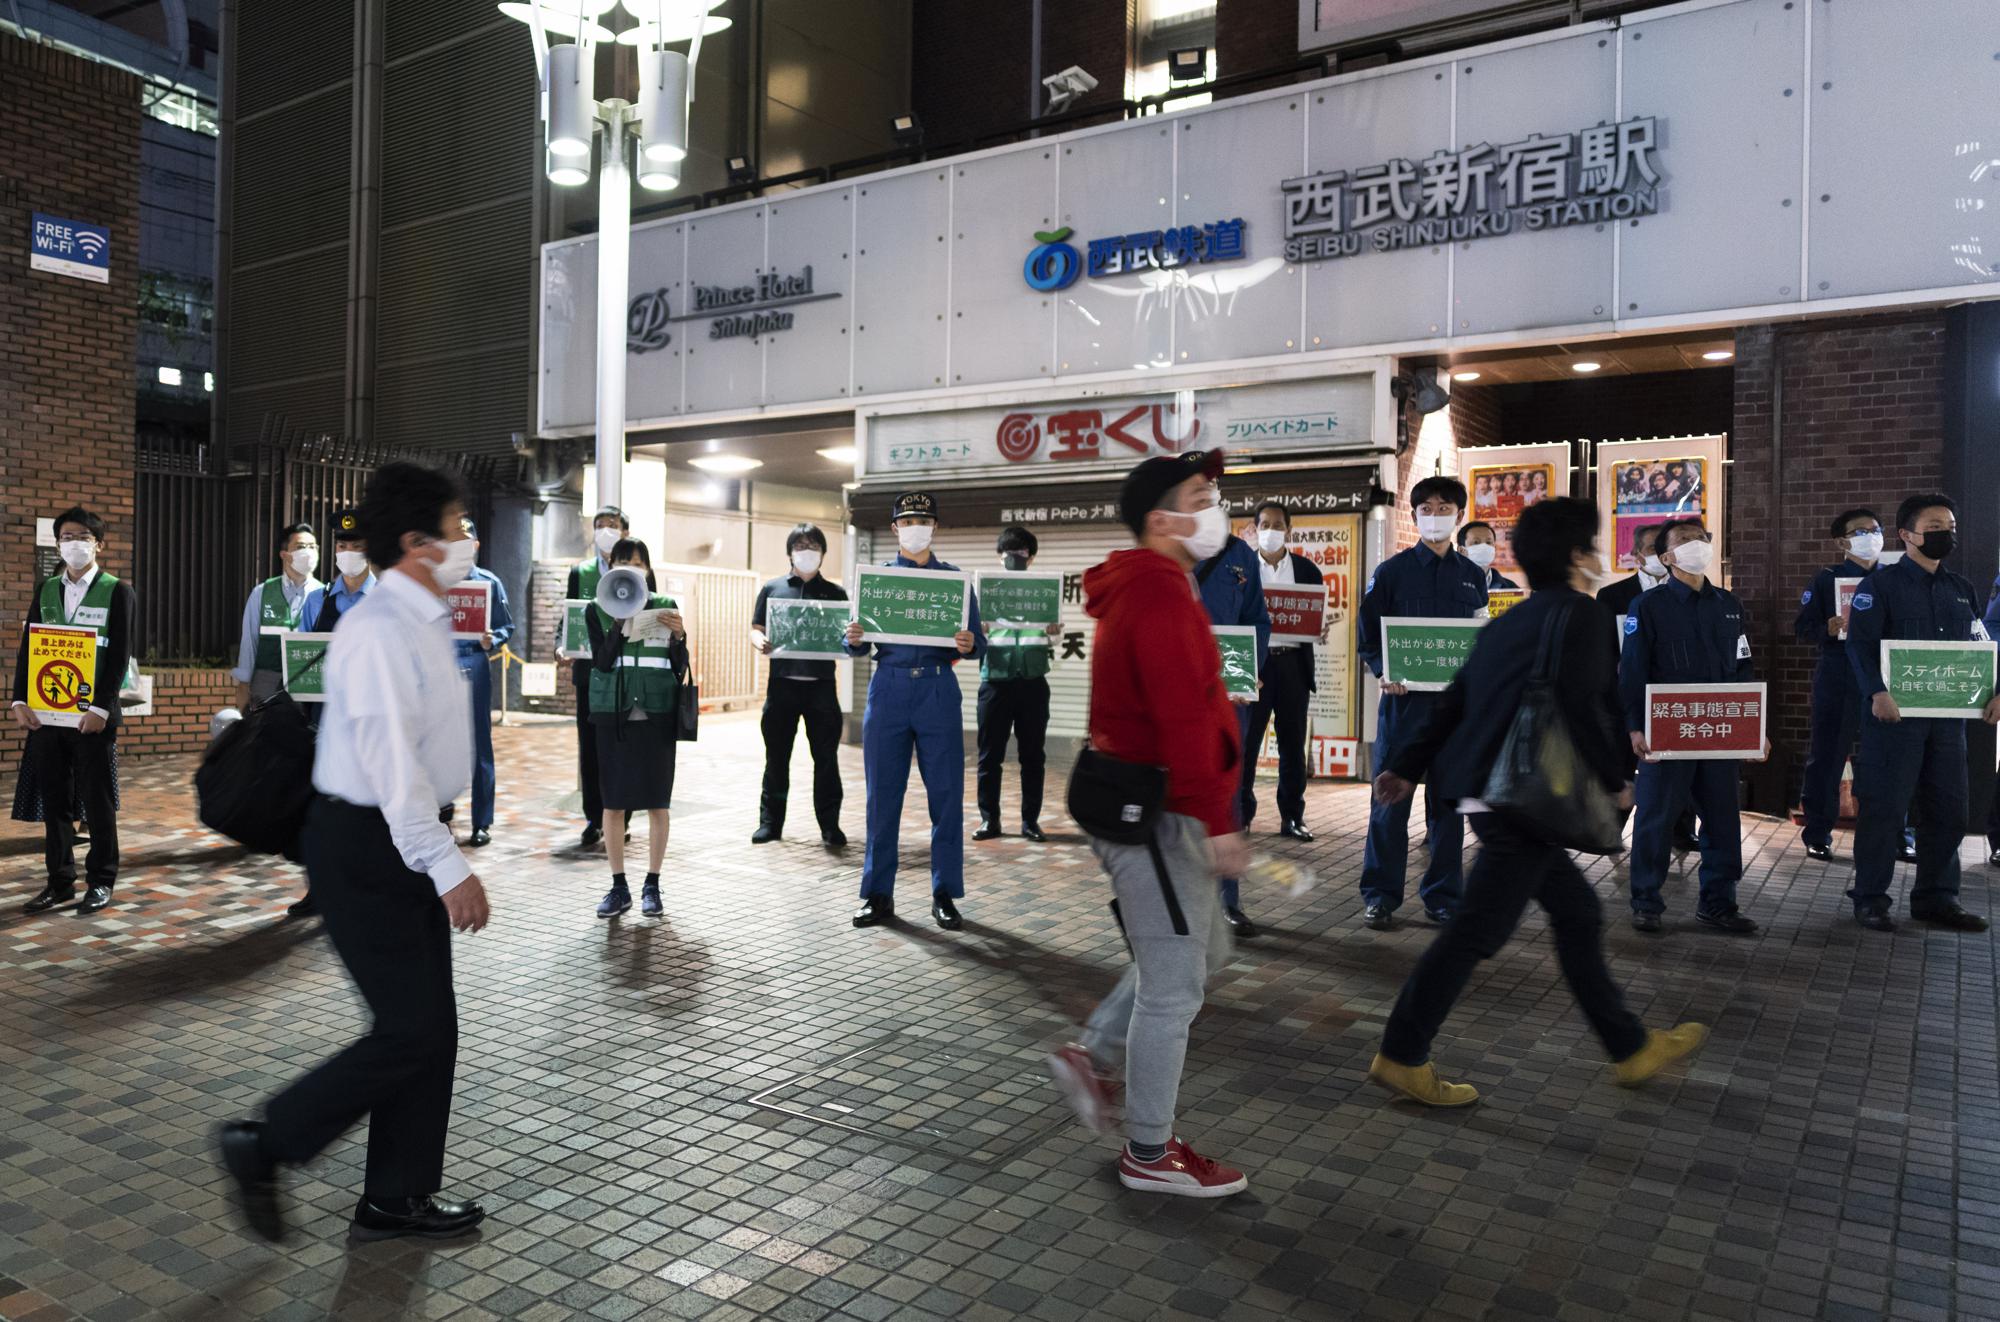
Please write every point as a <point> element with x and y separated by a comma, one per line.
<point>622,593</point>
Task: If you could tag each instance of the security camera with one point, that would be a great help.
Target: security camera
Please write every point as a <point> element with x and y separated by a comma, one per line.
<point>1067,86</point>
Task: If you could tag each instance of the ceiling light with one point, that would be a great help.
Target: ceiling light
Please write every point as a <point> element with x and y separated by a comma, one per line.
<point>726,464</point>
<point>170,376</point>
<point>1585,367</point>
<point>838,454</point>
<point>1465,376</point>
<point>1719,355</point>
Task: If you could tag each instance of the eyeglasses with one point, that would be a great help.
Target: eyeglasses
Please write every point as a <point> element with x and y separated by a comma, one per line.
<point>69,537</point>
<point>1874,530</point>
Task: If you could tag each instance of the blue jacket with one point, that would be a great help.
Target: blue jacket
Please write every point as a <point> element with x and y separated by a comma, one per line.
<point>325,605</point>
<point>1816,606</point>
<point>1233,590</point>
<point>1418,582</point>
<point>499,623</point>
<point>1905,601</point>
<point>1676,634</point>
<point>1499,582</point>
<point>902,656</point>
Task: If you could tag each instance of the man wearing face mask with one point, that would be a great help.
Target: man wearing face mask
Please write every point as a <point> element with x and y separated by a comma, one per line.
<point>914,708</point>
<point>1231,584</point>
<point>1289,683</point>
<point>390,881</point>
<point>1905,760</point>
<point>277,605</point>
<point>1480,544</point>
<point>325,605</point>
<point>606,527</point>
<point>1430,580</point>
<point>1014,699</point>
<point>799,691</point>
<point>476,664</point>
<point>1689,632</point>
<point>1618,597</point>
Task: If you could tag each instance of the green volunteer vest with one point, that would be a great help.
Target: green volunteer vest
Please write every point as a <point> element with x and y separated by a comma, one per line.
<point>273,611</point>
<point>644,676</point>
<point>587,574</point>
<point>1010,656</point>
<point>95,611</point>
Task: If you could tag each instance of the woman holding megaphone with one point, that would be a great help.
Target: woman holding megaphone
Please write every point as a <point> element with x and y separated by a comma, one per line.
<point>638,652</point>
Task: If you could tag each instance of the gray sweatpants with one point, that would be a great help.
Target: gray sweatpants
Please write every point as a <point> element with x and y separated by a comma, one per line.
<point>1148,1013</point>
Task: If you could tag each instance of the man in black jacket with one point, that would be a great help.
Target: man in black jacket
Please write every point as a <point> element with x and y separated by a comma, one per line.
<point>1290,680</point>
<point>76,762</point>
<point>1555,543</point>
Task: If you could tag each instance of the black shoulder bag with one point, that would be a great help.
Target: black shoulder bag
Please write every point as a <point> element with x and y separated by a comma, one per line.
<point>1540,782</point>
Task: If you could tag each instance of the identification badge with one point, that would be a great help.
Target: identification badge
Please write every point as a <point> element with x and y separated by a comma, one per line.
<point>90,615</point>
<point>1742,647</point>
<point>1979,632</point>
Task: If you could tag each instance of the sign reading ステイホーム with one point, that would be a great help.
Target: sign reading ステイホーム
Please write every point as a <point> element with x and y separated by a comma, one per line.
<point>805,630</point>
<point>1423,655</point>
<point>919,607</point>
<point>1238,645</point>
<point>303,664</point>
<point>1020,601</point>
<point>1931,678</point>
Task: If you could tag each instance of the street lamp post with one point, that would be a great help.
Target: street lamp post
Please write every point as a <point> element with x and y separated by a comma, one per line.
<point>571,115</point>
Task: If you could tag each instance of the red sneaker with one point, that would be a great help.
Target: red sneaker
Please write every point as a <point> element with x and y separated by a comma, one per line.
<point>1180,1170</point>
<point>1090,1094</point>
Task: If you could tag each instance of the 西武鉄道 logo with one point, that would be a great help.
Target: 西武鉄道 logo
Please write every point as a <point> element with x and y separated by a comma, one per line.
<point>646,323</point>
<point>1052,264</point>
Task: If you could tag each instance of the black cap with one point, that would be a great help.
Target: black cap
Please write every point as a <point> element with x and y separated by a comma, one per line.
<point>1147,484</point>
<point>347,526</point>
<point>915,502</point>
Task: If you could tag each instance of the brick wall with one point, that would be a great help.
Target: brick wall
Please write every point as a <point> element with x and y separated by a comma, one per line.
<point>1862,418</point>
<point>1474,412</point>
<point>1096,34</point>
<point>1255,34</point>
<point>71,134</point>
<point>536,640</point>
<point>183,703</point>
<point>1433,451</point>
<point>969,67</point>
<point>1615,408</point>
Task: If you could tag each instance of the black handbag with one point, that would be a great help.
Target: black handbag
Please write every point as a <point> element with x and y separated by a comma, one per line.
<point>687,716</point>
<point>1540,782</point>
<point>255,781</point>
<point>1116,802</point>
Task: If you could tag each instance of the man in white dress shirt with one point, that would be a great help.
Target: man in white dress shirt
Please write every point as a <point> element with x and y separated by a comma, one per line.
<point>1285,699</point>
<point>394,748</point>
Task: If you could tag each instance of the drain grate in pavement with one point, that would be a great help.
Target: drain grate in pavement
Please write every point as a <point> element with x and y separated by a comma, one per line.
<point>982,1101</point>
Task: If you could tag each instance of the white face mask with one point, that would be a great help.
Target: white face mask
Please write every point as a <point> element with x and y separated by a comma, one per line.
<point>604,539</point>
<point>459,557</point>
<point>1271,540</point>
<point>805,561</point>
<point>78,554</point>
<point>1481,554</point>
<point>1694,557</point>
<point>1865,546</point>
<point>1436,527</point>
<point>305,560</point>
<point>351,563</point>
<point>1653,568</point>
<point>914,538</point>
<point>1211,530</point>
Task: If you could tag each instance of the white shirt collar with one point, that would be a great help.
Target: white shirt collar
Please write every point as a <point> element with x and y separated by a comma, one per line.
<point>403,589</point>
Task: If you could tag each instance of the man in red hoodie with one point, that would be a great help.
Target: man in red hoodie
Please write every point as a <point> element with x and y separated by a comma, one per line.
<point>1157,699</point>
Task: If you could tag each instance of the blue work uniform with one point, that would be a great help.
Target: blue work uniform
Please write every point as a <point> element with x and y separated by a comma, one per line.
<point>1499,582</point>
<point>1837,706</point>
<point>914,706</point>
<point>1416,582</point>
<point>1916,759</point>
<point>1682,635</point>
<point>473,663</point>
<point>323,608</point>
<point>1232,591</point>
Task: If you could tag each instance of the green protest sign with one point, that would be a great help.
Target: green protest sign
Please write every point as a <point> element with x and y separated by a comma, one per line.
<point>805,630</point>
<point>576,630</point>
<point>302,661</point>
<point>1017,607</point>
<point>1424,654</point>
<point>920,607</point>
<point>1238,644</point>
<point>1939,679</point>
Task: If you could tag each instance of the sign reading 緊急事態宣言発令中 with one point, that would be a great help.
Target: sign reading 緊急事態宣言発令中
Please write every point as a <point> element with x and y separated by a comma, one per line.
<point>1238,645</point>
<point>1424,654</point>
<point>1297,611</point>
<point>919,607</point>
<point>471,607</point>
<point>1694,722</point>
<point>802,629</point>
<point>1935,678</point>
<point>303,664</point>
<point>1021,603</point>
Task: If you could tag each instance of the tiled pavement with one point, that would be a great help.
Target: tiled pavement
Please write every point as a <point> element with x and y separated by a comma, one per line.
<point>1835,1152</point>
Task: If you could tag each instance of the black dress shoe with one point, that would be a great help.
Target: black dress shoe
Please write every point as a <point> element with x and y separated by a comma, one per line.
<point>1950,915</point>
<point>303,907</point>
<point>50,898</point>
<point>835,840</point>
<point>592,836</point>
<point>1377,916</point>
<point>1907,854</point>
<point>765,834</point>
<point>1245,929</point>
<point>256,1176</point>
<point>988,830</point>
<point>1726,920</point>
<point>1033,831</point>
<point>427,1218</point>
<point>1295,830</point>
<point>1437,913</point>
<point>446,813</point>
<point>1824,853</point>
<point>945,912</point>
<point>1875,920</point>
<point>97,897</point>
<point>874,911</point>
<point>480,836</point>
<point>1993,859</point>
<point>1646,922</point>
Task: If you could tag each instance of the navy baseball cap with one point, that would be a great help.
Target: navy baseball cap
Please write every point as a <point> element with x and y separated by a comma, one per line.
<point>1147,485</point>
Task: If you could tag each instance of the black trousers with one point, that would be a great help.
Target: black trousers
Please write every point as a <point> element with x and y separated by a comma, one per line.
<point>1285,699</point>
<point>1017,707</point>
<point>389,927</point>
<point>786,703</point>
<point>75,772</point>
<point>586,756</point>
<point>1512,869</point>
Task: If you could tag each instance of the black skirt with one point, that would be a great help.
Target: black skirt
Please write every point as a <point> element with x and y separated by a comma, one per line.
<point>635,762</point>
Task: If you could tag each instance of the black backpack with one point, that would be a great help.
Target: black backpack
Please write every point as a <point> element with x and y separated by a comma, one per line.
<point>255,781</point>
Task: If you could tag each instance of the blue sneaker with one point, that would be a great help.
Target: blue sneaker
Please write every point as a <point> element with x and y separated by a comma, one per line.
<point>649,900</point>
<point>616,901</point>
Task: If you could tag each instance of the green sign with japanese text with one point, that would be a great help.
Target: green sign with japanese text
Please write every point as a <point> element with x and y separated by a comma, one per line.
<point>806,630</point>
<point>303,663</point>
<point>1023,604</point>
<point>576,630</point>
<point>1238,644</point>
<point>1423,655</point>
<point>919,607</point>
<point>1939,679</point>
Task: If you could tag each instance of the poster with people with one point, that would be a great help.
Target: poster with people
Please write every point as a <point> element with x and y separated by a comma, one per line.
<point>1642,484</point>
<point>1333,543</point>
<point>1499,493</point>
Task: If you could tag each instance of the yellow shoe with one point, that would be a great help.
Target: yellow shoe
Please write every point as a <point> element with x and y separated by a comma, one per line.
<point>1661,1050</point>
<point>1420,1083</point>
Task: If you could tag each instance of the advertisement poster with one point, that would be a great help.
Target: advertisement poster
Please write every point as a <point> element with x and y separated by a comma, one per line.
<point>1501,600</point>
<point>1499,494</point>
<point>1705,721</point>
<point>1642,484</point>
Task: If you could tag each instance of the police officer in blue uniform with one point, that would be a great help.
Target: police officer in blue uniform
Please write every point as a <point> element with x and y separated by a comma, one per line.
<point>474,662</point>
<point>914,706</point>
<point>1429,579</point>
<point>1687,632</point>
<point>1232,589</point>
<point>1480,544</point>
<point>1912,758</point>
<point>325,605</point>
<point>1836,703</point>
<point>1992,622</point>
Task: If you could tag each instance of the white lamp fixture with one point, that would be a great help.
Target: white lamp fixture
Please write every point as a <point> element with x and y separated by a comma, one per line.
<point>572,108</point>
<point>729,465</point>
<point>1585,366</point>
<point>1465,376</point>
<point>663,109</point>
<point>838,454</point>
<point>169,376</point>
<point>1719,355</point>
